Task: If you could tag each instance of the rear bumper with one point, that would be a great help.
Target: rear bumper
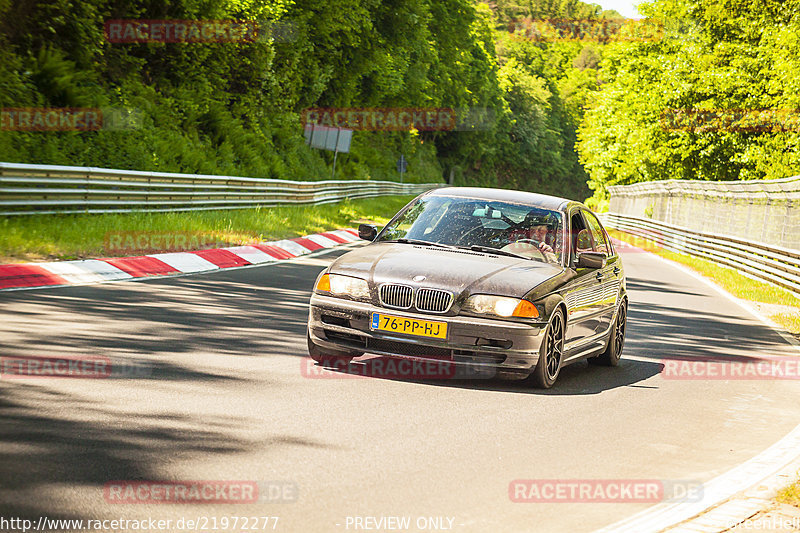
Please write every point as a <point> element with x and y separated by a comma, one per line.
<point>498,346</point>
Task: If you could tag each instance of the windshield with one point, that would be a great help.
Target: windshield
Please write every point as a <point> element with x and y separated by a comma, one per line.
<point>520,229</point>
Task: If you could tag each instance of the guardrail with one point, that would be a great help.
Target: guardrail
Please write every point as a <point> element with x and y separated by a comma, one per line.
<point>47,189</point>
<point>774,264</point>
<point>764,210</point>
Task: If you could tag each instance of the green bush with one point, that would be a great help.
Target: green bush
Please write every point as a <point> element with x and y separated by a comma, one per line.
<point>234,108</point>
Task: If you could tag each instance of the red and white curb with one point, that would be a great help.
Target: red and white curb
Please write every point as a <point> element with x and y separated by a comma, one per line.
<point>33,275</point>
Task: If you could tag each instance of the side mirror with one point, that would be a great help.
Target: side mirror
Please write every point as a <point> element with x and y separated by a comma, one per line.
<point>368,232</point>
<point>591,260</point>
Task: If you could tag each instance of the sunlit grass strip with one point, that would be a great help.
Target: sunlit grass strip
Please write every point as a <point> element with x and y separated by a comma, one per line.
<point>790,495</point>
<point>729,279</point>
<point>61,237</point>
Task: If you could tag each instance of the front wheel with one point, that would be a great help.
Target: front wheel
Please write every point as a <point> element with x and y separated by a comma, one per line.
<point>616,339</point>
<point>550,354</point>
<point>331,360</point>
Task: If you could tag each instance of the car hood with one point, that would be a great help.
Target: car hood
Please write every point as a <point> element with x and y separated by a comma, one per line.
<point>460,271</point>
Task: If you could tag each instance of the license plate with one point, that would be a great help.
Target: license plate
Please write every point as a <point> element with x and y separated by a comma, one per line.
<point>409,326</point>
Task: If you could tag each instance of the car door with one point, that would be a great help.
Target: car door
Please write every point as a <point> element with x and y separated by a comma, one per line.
<point>584,293</point>
<point>609,276</point>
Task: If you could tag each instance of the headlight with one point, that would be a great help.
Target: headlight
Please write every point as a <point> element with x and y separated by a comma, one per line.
<point>485,304</point>
<point>344,286</point>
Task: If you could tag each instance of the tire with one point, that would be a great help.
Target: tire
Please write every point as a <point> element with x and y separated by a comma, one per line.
<point>616,339</point>
<point>331,360</point>
<point>551,354</point>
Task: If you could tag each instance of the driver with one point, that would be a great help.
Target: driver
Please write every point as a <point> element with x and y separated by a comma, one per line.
<point>536,235</point>
<point>541,233</point>
<point>537,232</point>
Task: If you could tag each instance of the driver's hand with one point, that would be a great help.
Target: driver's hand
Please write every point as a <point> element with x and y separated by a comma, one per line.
<point>545,247</point>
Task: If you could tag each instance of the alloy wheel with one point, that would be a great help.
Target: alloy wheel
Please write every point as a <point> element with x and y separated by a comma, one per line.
<point>555,346</point>
<point>619,330</point>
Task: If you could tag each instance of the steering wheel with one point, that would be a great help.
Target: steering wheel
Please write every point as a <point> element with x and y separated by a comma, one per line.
<point>460,239</point>
<point>532,242</point>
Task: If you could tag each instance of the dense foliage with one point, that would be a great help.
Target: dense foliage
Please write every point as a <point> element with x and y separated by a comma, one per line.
<point>235,108</point>
<point>554,114</point>
<point>716,98</point>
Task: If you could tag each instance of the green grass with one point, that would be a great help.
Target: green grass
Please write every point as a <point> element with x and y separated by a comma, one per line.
<point>732,281</point>
<point>790,495</point>
<point>790,321</point>
<point>59,237</point>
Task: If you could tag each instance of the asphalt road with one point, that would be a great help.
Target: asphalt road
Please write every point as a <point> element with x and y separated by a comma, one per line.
<point>222,391</point>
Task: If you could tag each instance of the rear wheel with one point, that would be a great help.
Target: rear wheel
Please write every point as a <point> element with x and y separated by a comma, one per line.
<point>328,358</point>
<point>616,340</point>
<point>551,353</point>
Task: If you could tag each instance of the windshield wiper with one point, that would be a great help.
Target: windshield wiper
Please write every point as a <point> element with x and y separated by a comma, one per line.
<point>420,243</point>
<point>474,248</point>
<point>495,251</point>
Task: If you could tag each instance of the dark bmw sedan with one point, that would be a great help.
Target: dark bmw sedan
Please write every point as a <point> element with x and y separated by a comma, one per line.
<point>516,283</point>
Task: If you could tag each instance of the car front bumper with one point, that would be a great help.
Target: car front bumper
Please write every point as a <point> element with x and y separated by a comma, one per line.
<point>503,347</point>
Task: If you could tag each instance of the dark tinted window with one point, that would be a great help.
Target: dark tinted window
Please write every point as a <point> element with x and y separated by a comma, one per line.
<point>600,243</point>
<point>522,229</point>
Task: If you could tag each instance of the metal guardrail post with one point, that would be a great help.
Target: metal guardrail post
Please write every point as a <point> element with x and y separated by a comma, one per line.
<point>765,262</point>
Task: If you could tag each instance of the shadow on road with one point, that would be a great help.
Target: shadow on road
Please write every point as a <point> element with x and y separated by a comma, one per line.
<point>88,445</point>
<point>638,284</point>
<point>247,312</point>
<point>575,379</point>
<point>663,332</point>
<point>151,330</point>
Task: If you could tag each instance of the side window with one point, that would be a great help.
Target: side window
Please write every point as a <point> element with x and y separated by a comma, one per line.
<point>580,241</point>
<point>598,235</point>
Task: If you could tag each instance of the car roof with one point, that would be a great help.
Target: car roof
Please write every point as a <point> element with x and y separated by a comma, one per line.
<point>545,201</point>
